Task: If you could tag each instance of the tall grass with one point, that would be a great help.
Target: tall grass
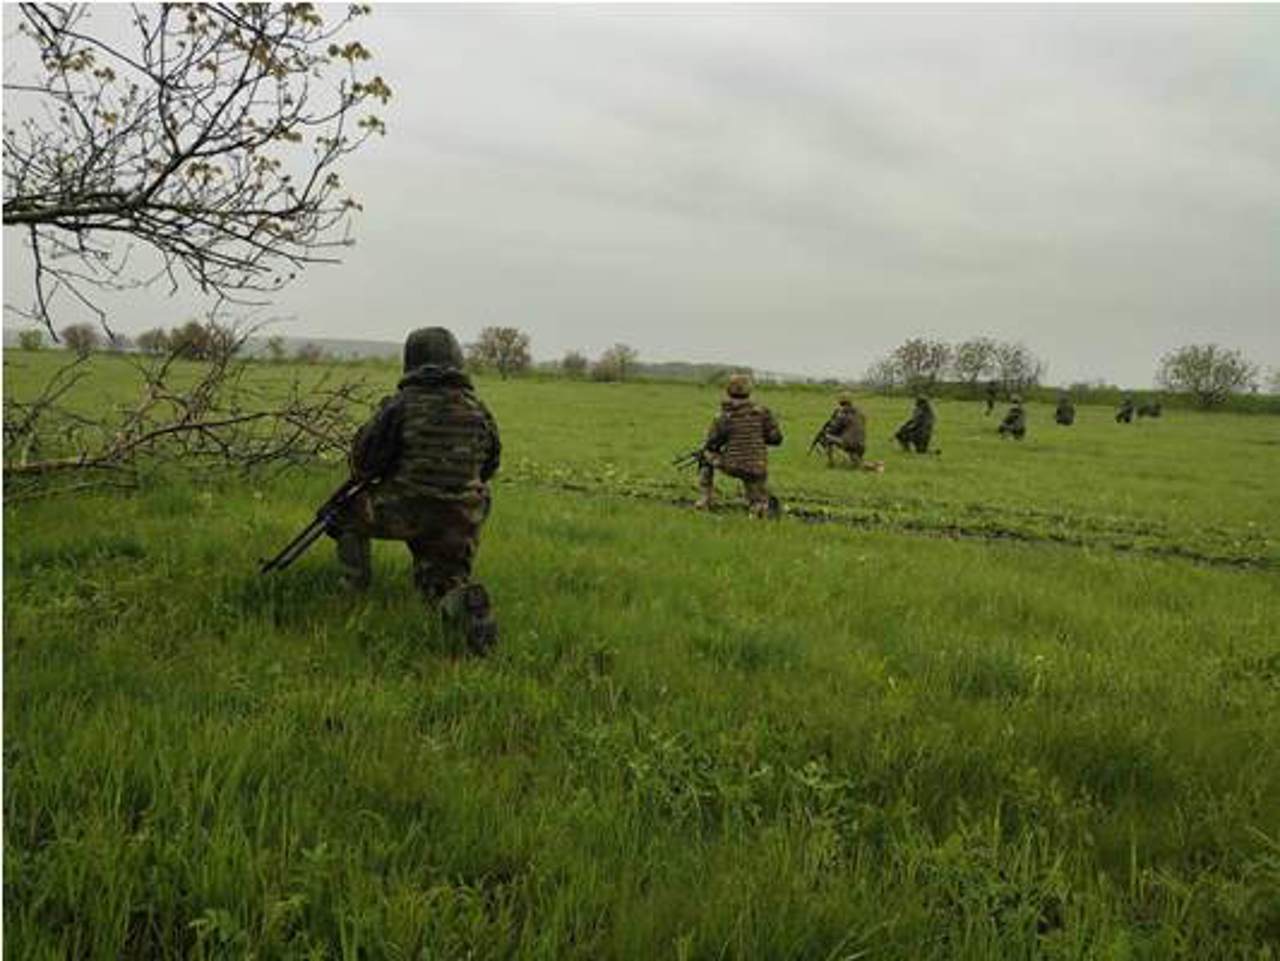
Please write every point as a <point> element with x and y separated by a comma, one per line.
<point>700,737</point>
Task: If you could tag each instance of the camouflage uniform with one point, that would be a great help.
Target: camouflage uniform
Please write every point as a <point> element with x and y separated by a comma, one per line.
<point>1125,414</point>
<point>917,431</point>
<point>1066,411</point>
<point>846,430</point>
<point>433,446</point>
<point>1150,409</point>
<point>736,445</point>
<point>1015,421</point>
<point>992,390</point>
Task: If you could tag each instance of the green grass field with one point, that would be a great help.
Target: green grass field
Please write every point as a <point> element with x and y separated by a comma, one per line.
<point>1013,701</point>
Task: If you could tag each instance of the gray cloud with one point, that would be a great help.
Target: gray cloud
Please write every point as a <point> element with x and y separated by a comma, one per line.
<point>799,187</point>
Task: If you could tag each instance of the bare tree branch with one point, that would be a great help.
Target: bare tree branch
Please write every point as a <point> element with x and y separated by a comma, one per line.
<point>220,419</point>
<point>212,137</point>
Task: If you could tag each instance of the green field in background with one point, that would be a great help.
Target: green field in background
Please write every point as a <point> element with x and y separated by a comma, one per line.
<point>1012,701</point>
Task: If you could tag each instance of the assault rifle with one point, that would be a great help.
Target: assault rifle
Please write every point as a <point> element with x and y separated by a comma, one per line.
<point>820,438</point>
<point>692,458</point>
<point>325,515</point>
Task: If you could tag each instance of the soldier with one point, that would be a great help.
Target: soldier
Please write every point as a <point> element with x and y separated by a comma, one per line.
<point>992,388</point>
<point>1125,414</point>
<point>1015,421</point>
<point>1066,411</point>
<point>917,431</point>
<point>736,444</point>
<point>1151,408</point>
<point>432,448</point>
<point>846,430</point>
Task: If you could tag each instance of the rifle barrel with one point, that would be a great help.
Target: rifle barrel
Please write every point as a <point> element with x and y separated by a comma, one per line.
<point>294,549</point>
<point>311,533</point>
<point>688,459</point>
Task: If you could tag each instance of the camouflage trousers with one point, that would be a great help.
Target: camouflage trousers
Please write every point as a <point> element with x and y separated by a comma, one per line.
<point>442,534</point>
<point>835,442</point>
<point>1016,431</point>
<point>754,487</point>
<point>913,439</point>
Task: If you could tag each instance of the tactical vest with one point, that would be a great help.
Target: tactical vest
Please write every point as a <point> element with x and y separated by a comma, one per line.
<point>445,441</point>
<point>745,451</point>
<point>851,426</point>
<point>918,429</point>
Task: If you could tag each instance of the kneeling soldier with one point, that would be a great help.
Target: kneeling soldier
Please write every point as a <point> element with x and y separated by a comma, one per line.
<point>736,444</point>
<point>846,430</point>
<point>918,430</point>
<point>430,449</point>
<point>1015,422</point>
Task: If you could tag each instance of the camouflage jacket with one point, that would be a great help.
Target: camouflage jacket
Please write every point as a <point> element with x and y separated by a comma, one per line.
<point>740,433</point>
<point>848,425</point>
<point>1015,420</point>
<point>433,437</point>
<point>919,425</point>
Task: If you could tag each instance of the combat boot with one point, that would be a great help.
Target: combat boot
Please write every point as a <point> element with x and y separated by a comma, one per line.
<point>469,611</point>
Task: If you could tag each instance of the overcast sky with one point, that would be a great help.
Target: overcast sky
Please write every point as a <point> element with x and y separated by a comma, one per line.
<point>800,188</point>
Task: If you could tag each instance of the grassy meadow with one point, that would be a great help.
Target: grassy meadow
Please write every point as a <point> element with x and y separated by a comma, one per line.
<point>1018,700</point>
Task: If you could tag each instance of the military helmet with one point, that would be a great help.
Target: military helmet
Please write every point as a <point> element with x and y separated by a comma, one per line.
<point>922,401</point>
<point>432,345</point>
<point>844,398</point>
<point>739,385</point>
<point>1016,398</point>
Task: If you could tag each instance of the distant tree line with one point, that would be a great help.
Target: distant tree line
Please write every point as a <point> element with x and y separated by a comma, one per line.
<point>506,350</point>
<point>200,341</point>
<point>80,339</point>
<point>616,363</point>
<point>921,364</point>
<point>194,340</point>
<point>1208,375</point>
